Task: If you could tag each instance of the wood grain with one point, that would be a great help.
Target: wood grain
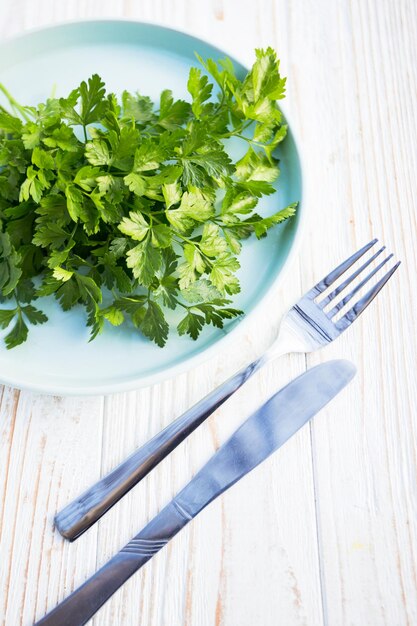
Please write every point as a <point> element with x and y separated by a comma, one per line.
<point>323,534</point>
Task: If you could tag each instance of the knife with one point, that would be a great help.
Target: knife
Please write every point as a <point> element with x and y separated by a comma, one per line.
<point>259,436</point>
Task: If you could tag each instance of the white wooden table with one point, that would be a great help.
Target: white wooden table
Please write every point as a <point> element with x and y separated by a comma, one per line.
<point>324,532</point>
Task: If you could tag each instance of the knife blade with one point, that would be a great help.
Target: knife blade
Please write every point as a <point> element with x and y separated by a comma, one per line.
<point>256,439</point>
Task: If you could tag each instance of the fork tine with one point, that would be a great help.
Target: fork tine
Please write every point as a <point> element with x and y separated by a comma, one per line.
<point>361,305</point>
<point>359,286</point>
<point>348,280</point>
<point>338,271</point>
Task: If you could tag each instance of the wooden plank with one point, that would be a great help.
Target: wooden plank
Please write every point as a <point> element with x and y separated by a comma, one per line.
<point>356,69</point>
<point>379,546</point>
<point>42,441</point>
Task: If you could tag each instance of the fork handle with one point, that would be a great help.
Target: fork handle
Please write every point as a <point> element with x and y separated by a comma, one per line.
<point>84,511</point>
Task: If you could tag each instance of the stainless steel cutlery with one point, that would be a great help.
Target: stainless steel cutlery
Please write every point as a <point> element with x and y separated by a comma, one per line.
<point>259,436</point>
<point>310,324</point>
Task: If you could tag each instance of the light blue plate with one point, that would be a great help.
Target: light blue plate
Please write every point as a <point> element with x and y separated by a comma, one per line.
<point>57,358</point>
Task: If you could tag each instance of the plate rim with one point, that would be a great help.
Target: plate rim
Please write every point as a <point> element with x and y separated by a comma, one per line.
<point>170,372</point>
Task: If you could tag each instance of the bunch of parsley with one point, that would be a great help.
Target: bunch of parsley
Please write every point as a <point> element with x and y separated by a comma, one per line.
<point>128,209</point>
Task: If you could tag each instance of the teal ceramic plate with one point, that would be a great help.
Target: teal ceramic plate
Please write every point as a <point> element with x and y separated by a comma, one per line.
<point>57,358</point>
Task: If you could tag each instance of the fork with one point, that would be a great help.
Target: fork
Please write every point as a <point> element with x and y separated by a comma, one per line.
<point>310,324</point>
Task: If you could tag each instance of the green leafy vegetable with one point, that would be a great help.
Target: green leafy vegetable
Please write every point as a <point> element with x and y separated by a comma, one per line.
<point>129,208</point>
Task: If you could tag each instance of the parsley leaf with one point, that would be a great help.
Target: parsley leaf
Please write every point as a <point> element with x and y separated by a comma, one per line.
<point>200,89</point>
<point>222,274</point>
<point>135,226</point>
<point>129,207</point>
<point>18,334</point>
<point>154,325</point>
<point>10,271</point>
<point>144,260</point>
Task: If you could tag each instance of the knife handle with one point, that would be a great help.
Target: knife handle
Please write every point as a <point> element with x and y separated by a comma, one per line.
<point>83,512</point>
<point>85,601</point>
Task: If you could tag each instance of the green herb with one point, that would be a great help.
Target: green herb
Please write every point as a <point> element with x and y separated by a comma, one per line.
<point>130,209</point>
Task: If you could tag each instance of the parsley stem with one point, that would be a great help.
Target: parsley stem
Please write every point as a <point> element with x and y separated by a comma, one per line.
<point>220,104</point>
<point>177,234</point>
<point>184,306</point>
<point>196,244</point>
<point>14,103</point>
<point>18,306</point>
<point>251,141</point>
<point>236,132</point>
